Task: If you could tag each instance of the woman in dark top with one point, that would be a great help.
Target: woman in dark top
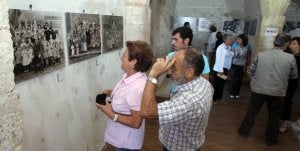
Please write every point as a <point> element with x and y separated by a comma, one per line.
<point>219,41</point>
<point>294,48</point>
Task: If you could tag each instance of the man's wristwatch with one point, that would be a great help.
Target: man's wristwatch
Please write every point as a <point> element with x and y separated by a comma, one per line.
<point>152,80</point>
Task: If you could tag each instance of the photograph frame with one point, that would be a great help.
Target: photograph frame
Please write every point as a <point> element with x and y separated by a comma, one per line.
<point>83,36</point>
<point>112,33</point>
<point>37,42</point>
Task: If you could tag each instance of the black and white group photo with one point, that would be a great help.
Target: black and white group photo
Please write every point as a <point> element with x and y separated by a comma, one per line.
<point>112,32</point>
<point>37,42</point>
<point>83,36</point>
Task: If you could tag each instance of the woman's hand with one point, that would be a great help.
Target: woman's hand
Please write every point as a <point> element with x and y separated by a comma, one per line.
<point>106,109</point>
<point>107,92</point>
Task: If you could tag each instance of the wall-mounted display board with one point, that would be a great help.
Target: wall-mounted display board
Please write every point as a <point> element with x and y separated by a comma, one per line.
<point>290,25</point>
<point>192,20</point>
<point>204,24</point>
<point>233,26</point>
<point>112,33</point>
<point>252,26</point>
<point>83,36</point>
<point>37,41</point>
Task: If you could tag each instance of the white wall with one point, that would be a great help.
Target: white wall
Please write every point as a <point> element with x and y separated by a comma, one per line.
<point>61,116</point>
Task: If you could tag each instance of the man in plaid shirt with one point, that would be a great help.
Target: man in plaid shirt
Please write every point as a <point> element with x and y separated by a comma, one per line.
<point>182,119</point>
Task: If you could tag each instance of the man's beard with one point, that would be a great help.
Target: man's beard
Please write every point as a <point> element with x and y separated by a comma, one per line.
<point>180,81</point>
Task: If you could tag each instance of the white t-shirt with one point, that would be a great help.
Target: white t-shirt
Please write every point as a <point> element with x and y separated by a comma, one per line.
<point>211,42</point>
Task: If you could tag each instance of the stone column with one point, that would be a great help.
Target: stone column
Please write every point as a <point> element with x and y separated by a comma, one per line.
<point>161,30</point>
<point>11,116</point>
<point>137,16</point>
<point>272,15</point>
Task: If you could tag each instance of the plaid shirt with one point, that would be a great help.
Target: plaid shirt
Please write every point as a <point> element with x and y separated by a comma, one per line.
<point>183,118</point>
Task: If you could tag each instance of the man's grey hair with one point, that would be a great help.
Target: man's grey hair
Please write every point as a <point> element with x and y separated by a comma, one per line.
<point>194,59</point>
<point>227,36</point>
<point>281,40</point>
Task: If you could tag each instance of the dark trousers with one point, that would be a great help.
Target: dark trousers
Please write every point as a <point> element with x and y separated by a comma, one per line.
<point>288,100</point>
<point>274,104</point>
<point>218,85</point>
<point>237,73</point>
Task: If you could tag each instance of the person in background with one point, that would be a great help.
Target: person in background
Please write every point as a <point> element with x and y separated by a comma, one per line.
<point>219,41</point>
<point>222,65</point>
<point>182,38</point>
<point>210,44</point>
<point>239,65</point>
<point>187,24</point>
<point>269,74</point>
<point>294,48</point>
<point>182,119</point>
<point>125,128</point>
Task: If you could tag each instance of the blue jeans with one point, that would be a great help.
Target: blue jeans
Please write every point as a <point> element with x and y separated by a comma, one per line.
<point>125,149</point>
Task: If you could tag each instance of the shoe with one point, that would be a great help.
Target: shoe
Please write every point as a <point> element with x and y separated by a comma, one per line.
<point>284,126</point>
<point>243,134</point>
<point>237,96</point>
<point>232,96</point>
<point>271,143</point>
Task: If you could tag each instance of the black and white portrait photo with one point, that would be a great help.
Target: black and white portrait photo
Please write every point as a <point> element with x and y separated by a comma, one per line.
<point>233,26</point>
<point>37,42</point>
<point>83,36</point>
<point>191,20</point>
<point>112,32</point>
<point>252,26</point>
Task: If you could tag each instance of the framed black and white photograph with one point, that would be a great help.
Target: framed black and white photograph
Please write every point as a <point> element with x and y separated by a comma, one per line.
<point>112,33</point>
<point>204,24</point>
<point>252,26</point>
<point>290,25</point>
<point>192,20</point>
<point>37,41</point>
<point>233,26</point>
<point>83,36</point>
<point>246,27</point>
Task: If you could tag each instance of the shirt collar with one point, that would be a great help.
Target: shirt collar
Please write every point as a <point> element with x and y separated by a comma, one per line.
<point>277,49</point>
<point>190,84</point>
<point>132,78</point>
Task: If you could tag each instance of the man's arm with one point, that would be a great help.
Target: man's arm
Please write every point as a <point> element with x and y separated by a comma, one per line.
<point>149,104</point>
<point>294,70</point>
<point>252,68</point>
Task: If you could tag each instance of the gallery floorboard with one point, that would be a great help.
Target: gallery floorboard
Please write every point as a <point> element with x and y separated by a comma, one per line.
<point>224,120</point>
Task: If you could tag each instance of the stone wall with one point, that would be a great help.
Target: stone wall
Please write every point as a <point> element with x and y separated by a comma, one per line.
<point>11,116</point>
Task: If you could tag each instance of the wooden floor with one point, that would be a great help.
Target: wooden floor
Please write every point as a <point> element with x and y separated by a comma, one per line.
<point>224,120</point>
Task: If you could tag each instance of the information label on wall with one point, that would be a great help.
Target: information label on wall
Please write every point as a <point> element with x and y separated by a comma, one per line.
<point>271,31</point>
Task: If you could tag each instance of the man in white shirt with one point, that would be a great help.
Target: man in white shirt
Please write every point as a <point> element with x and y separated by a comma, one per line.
<point>210,44</point>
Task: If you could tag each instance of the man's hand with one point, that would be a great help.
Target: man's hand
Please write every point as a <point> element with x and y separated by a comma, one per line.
<point>161,66</point>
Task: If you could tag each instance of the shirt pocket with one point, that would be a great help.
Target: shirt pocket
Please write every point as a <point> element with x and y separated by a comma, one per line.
<point>120,105</point>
